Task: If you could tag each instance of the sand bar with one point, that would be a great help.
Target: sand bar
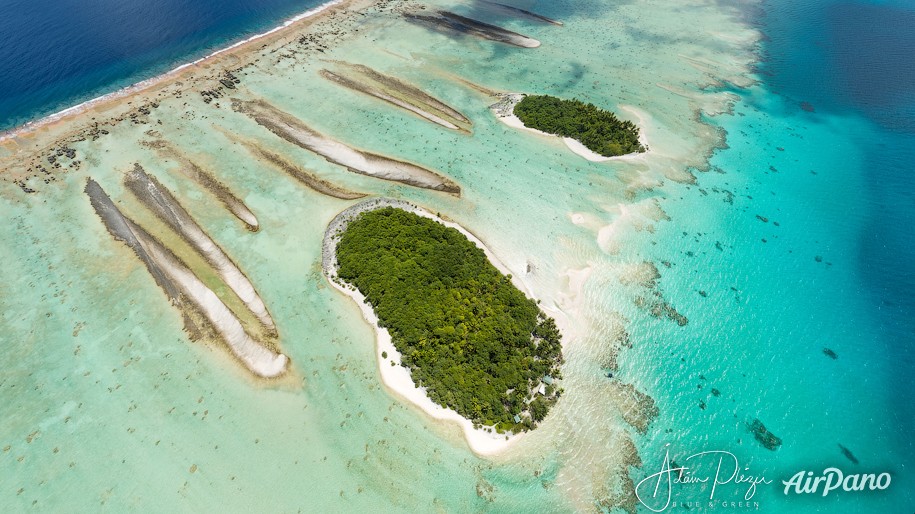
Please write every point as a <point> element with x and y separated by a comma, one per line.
<point>180,283</point>
<point>205,179</point>
<point>160,200</point>
<point>296,132</point>
<point>311,180</point>
<point>395,92</point>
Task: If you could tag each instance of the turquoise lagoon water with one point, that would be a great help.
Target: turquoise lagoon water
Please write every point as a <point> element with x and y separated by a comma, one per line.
<point>110,406</point>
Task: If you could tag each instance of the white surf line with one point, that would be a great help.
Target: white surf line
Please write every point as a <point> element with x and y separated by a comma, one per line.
<point>143,84</point>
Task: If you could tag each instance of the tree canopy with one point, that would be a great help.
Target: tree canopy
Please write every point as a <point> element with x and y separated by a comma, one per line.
<point>600,131</point>
<point>468,335</point>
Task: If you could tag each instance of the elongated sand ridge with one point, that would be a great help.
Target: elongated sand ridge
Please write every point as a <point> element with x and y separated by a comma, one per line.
<point>397,377</point>
<point>191,170</point>
<point>521,13</point>
<point>396,92</point>
<point>180,283</point>
<point>159,200</point>
<point>445,20</point>
<point>309,179</point>
<point>399,85</point>
<point>294,131</point>
<point>356,86</point>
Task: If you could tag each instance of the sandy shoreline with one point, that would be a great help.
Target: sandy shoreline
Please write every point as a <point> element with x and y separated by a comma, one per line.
<point>396,377</point>
<point>503,111</point>
<point>151,85</point>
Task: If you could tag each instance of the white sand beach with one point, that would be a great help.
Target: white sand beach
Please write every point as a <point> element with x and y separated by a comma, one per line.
<point>397,379</point>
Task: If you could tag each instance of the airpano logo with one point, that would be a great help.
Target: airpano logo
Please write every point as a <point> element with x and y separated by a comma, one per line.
<point>832,479</point>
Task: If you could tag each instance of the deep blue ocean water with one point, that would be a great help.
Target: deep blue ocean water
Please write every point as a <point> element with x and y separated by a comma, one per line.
<point>57,53</point>
<point>856,61</point>
<point>856,58</point>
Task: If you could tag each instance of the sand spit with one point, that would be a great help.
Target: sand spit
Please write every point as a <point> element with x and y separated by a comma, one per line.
<point>293,130</point>
<point>181,284</point>
<point>396,92</point>
<point>397,378</point>
<point>159,200</point>
<point>472,85</point>
<point>521,13</point>
<point>206,180</point>
<point>312,181</point>
<point>444,20</point>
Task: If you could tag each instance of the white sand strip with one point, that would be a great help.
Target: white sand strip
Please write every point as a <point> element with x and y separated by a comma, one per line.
<point>397,379</point>
<point>253,355</point>
<point>181,283</point>
<point>293,130</point>
<point>160,200</point>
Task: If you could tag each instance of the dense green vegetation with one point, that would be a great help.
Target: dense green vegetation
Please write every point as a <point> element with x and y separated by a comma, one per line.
<point>601,131</point>
<point>474,341</point>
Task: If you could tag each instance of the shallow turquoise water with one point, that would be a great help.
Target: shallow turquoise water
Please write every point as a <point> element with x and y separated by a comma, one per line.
<point>772,307</point>
<point>833,273</point>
